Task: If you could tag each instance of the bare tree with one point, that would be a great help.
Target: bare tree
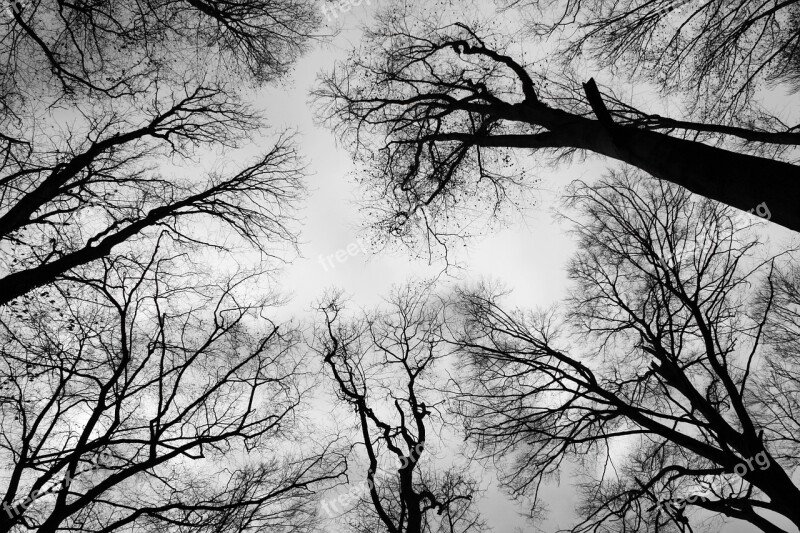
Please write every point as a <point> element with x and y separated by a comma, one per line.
<point>81,211</point>
<point>185,393</point>
<point>436,110</point>
<point>58,53</point>
<point>139,391</point>
<point>105,104</point>
<point>718,54</point>
<point>383,366</point>
<point>655,378</point>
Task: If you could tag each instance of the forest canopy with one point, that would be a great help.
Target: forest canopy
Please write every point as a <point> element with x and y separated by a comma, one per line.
<point>156,374</point>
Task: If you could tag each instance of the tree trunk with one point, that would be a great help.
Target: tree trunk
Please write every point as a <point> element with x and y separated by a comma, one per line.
<point>739,180</point>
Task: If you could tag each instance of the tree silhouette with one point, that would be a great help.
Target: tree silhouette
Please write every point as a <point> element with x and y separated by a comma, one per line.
<point>141,385</point>
<point>435,110</point>
<point>185,392</point>
<point>718,54</point>
<point>105,106</point>
<point>666,380</point>
<point>383,366</point>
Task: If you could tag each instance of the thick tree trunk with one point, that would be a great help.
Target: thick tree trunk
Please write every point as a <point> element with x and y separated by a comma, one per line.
<point>18,283</point>
<point>739,180</point>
